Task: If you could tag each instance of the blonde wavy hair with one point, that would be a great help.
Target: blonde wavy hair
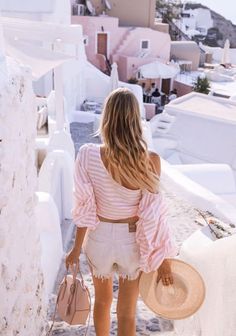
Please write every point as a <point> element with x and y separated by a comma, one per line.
<point>121,131</point>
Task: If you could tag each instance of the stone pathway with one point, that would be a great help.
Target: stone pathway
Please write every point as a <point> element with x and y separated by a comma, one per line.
<point>183,221</point>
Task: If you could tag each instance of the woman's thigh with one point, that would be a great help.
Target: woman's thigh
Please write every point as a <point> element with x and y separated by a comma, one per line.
<point>127,297</point>
<point>103,290</point>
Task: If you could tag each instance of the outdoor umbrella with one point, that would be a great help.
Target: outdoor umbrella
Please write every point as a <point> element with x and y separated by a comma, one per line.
<point>158,70</point>
<point>114,79</point>
<point>225,53</point>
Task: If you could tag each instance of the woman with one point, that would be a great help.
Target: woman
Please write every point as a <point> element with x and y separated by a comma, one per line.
<point>118,205</point>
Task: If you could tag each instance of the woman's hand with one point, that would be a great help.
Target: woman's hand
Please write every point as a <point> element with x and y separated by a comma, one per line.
<point>164,273</point>
<point>72,257</point>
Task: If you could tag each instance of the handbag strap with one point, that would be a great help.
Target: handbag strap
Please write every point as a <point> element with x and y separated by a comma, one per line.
<point>54,314</point>
<point>89,317</point>
<point>75,271</point>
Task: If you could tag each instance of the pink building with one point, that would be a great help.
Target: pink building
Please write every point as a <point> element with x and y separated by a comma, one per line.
<point>129,46</point>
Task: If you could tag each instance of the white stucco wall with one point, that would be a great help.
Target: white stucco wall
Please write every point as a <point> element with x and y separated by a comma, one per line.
<point>217,53</point>
<point>22,309</point>
<point>57,11</point>
<point>204,19</point>
<point>204,128</point>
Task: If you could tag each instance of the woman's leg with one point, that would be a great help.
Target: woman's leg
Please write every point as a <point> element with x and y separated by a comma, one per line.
<point>126,307</point>
<point>102,305</point>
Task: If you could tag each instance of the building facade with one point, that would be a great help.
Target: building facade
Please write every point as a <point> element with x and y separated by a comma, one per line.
<point>137,13</point>
<point>123,34</point>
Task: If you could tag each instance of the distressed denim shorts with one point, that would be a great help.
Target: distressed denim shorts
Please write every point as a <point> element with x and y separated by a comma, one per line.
<point>110,249</point>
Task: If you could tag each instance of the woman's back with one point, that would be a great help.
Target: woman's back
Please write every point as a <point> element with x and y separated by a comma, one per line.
<point>113,200</point>
<point>156,166</point>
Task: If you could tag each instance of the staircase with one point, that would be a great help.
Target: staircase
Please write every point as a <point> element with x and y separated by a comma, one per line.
<point>176,31</point>
<point>124,41</point>
<point>161,124</point>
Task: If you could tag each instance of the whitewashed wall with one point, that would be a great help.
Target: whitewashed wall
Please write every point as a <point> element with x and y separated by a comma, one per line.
<point>22,310</point>
<point>217,53</point>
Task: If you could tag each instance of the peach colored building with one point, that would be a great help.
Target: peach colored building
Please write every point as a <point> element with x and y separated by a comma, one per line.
<point>137,13</point>
<point>128,44</point>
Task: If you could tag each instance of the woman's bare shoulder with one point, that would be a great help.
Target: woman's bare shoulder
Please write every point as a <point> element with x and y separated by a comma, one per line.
<point>156,161</point>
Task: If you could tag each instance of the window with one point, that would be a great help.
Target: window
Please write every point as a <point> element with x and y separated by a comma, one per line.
<point>185,15</point>
<point>145,44</point>
<point>81,9</point>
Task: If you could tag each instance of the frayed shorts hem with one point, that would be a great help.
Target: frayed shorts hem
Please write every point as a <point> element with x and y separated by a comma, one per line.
<point>112,249</point>
<point>123,276</point>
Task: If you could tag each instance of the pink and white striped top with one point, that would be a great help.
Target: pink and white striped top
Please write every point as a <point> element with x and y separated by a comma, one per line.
<point>97,193</point>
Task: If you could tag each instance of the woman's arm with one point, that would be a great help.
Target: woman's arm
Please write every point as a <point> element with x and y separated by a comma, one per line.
<point>164,270</point>
<point>73,256</point>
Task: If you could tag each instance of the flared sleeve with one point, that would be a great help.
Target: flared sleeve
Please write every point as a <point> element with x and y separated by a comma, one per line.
<point>84,212</point>
<point>153,232</point>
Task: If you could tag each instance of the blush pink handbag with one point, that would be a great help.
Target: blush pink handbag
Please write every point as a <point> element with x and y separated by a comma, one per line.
<point>73,303</point>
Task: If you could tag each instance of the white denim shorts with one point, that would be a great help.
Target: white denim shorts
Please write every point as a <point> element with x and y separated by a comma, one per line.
<point>110,249</point>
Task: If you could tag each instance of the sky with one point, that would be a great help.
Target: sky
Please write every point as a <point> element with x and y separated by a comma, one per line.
<point>226,8</point>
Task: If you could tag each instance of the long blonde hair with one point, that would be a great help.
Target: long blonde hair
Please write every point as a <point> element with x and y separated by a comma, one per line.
<point>125,148</point>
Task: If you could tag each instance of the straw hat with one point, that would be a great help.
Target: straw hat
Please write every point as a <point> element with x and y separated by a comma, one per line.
<point>176,301</point>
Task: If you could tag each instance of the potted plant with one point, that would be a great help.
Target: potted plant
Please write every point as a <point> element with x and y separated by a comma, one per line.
<point>202,85</point>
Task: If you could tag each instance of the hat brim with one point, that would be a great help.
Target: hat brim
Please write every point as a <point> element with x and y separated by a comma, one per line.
<point>177,301</point>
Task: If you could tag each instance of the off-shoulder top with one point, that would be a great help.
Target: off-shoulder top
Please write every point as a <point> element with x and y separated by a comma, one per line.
<point>97,193</point>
